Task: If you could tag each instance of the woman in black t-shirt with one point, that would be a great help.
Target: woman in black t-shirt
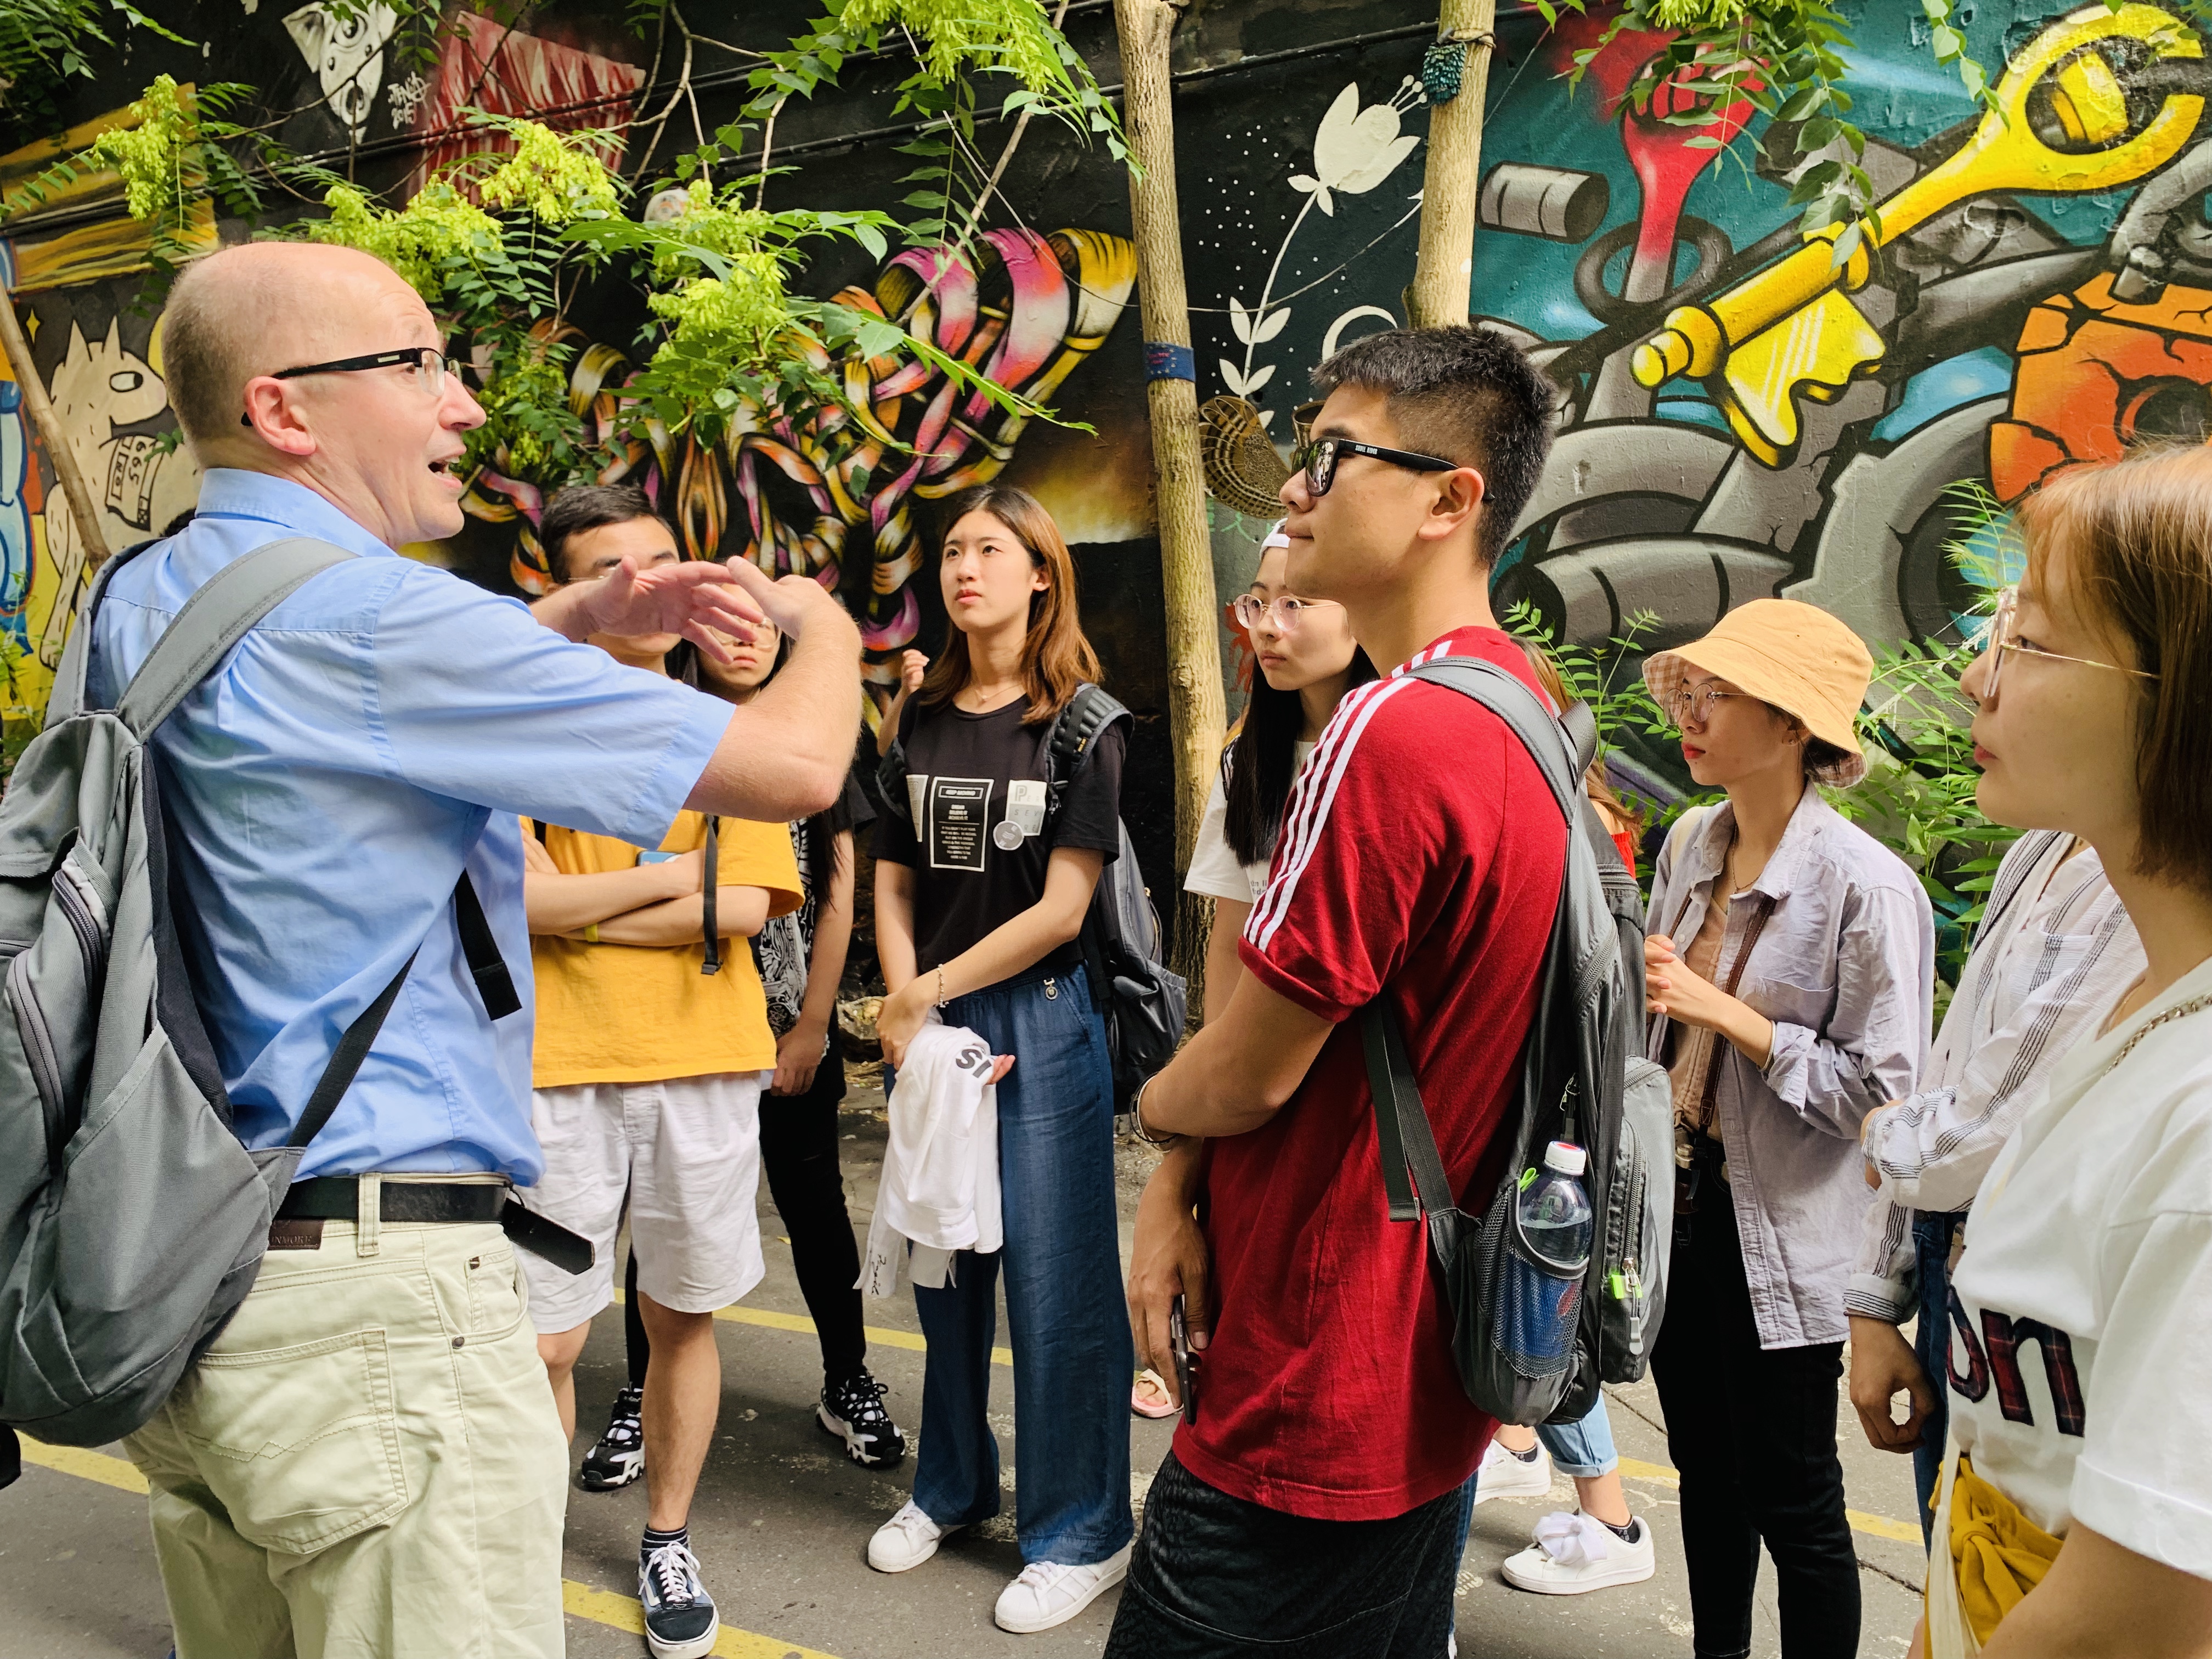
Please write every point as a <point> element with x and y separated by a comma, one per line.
<point>980,896</point>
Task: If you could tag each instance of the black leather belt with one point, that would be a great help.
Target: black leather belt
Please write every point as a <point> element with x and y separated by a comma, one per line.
<point>338,1197</point>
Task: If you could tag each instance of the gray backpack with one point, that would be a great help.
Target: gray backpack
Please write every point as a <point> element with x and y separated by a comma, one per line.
<point>132,1218</point>
<point>1583,1078</point>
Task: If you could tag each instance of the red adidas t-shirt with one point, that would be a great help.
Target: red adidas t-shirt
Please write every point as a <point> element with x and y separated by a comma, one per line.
<point>1420,858</point>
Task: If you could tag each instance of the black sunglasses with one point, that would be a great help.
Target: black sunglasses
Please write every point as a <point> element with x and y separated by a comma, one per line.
<point>1318,459</point>
<point>432,364</point>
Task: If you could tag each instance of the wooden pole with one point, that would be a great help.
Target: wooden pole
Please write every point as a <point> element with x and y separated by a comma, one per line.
<point>1195,707</point>
<point>74,491</point>
<point>1444,273</point>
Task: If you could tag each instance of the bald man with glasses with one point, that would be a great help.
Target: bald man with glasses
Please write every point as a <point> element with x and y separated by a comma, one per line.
<point>367,1459</point>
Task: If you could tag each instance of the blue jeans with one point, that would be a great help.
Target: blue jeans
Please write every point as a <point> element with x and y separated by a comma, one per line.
<point>1581,1451</point>
<point>1931,1242</point>
<point>1066,1318</point>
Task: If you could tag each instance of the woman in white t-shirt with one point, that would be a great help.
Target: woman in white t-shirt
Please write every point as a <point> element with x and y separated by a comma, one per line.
<point>2074,1517</point>
<point>1307,660</point>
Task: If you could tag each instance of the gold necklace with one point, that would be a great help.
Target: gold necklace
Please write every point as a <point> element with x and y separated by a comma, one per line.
<point>2194,1005</point>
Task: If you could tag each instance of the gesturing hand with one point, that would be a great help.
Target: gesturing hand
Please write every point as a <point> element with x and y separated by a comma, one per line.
<point>794,604</point>
<point>693,597</point>
<point>912,665</point>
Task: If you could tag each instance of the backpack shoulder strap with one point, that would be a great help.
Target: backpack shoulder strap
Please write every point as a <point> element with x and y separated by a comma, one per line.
<point>1073,739</point>
<point>67,697</point>
<point>891,770</point>
<point>1402,1133</point>
<point>214,620</point>
<point>1503,694</point>
<point>493,984</point>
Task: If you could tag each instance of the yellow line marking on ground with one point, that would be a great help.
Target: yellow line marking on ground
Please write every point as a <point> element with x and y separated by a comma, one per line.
<point>85,1465</point>
<point>622,1613</point>
<point>881,1333</point>
<point>1874,1526</point>
<point>600,1607</point>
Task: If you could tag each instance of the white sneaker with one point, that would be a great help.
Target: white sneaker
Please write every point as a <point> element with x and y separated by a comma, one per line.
<point>1504,1476</point>
<point>907,1540</point>
<point>1575,1553</point>
<point>1048,1594</point>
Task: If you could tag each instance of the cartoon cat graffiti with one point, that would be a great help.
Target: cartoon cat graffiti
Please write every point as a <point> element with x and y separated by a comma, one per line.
<point>114,406</point>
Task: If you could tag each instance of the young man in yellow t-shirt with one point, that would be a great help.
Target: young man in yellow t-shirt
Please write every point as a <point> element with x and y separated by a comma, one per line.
<point>648,1073</point>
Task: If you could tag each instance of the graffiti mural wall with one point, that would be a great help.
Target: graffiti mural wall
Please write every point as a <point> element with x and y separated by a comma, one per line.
<point>1744,417</point>
<point>1739,416</point>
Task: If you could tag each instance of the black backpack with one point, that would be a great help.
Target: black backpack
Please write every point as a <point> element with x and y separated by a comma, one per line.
<point>1143,1003</point>
<point>1583,1078</point>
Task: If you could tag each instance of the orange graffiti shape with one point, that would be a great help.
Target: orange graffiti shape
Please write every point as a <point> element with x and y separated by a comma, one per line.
<point>2096,376</point>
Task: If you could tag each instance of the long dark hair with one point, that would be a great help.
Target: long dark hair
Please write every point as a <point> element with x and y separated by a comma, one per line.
<point>1056,658</point>
<point>1263,761</point>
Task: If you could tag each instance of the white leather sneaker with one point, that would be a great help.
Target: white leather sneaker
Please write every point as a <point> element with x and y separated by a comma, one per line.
<point>1504,1476</point>
<point>1574,1554</point>
<point>1048,1594</point>
<point>907,1540</point>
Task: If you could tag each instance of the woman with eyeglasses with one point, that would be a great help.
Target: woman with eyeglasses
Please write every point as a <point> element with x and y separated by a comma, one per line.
<point>1307,660</point>
<point>1789,972</point>
<point>2074,1516</point>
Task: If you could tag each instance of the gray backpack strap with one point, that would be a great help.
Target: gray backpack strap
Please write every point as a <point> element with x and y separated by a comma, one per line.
<point>1502,692</point>
<point>66,696</point>
<point>216,619</point>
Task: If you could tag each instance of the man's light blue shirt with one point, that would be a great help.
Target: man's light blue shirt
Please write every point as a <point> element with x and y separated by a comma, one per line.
<point>325,788</point>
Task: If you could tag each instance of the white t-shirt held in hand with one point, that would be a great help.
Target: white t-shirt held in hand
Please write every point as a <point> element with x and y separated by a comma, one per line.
<point>1215,871</point>
<point>2080,1356</point>
<point>939,1186</point>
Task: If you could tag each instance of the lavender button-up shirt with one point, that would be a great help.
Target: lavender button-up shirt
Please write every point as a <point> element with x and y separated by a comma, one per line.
<point>1845,968</point>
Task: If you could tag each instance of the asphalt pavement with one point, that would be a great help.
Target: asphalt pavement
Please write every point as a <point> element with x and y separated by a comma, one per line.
<point>782,1520</point>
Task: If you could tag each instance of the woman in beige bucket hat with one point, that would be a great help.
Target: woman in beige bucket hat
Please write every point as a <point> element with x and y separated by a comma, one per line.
<point>1789,972</point>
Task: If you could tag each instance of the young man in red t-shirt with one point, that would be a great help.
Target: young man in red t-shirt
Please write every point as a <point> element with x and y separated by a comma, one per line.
<point>1317,1494</point>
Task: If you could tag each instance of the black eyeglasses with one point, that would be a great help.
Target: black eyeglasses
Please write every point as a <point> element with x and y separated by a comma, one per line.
<point>1318,459</point>
<point>431,366</point>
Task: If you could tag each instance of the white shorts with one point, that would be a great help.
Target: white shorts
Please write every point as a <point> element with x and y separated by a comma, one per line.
<point>685,1156</point>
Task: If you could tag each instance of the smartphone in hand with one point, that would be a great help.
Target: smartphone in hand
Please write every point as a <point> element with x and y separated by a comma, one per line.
<point>1186,1362</point>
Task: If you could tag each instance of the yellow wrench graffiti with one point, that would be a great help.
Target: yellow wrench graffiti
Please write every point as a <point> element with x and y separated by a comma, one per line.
<point>1788,332</point>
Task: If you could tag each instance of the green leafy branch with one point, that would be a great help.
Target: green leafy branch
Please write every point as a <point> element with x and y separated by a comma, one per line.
<point>45,44</point>
<point>1788,59</point>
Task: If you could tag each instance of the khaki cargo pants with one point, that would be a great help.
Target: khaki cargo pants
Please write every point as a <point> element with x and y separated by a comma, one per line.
<point>366,1462</point>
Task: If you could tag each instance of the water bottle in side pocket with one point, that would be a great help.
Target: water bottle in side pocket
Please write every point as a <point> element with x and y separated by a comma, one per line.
<point>1556,1225</point>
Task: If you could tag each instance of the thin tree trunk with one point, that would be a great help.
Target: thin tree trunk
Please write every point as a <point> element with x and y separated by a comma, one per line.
<point>1195,707</point>
<point>81,506</point>
<point>1444,270</point>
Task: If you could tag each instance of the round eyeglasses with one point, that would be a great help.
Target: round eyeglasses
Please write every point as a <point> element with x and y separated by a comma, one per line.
<point>2001,640</point>
<point>1694,704</point>
<point>1288,612</point>
<point>431,366</point>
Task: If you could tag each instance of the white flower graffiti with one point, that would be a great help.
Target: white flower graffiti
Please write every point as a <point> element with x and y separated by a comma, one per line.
<point>1355,149</point>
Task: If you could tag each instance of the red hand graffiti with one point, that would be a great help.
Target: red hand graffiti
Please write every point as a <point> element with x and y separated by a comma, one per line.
<point>1666,164</point>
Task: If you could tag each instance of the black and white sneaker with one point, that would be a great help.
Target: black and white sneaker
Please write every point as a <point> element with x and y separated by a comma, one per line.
<point>854,1411</point>
<point>616,1457</point>
<point>680,1621</point>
